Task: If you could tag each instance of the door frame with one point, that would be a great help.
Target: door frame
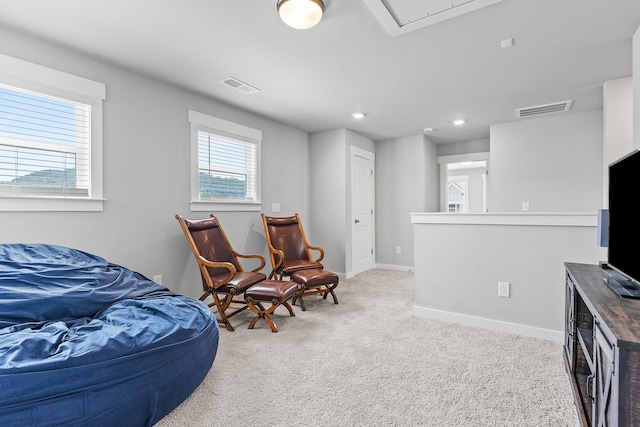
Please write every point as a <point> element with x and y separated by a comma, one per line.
<point>367,155</point>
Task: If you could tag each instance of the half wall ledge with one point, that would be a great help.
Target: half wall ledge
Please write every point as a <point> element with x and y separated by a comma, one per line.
<point>575,219</point>
<point>460,258</point>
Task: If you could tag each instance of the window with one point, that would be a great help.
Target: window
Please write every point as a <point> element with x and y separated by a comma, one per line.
<point>44,144</point>
<point>50,139</point>
<point>225,164</point>
<point>463,182</point>
<point>457,193</point>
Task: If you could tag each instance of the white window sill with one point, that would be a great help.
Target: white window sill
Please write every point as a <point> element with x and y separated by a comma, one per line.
<point>50,204</point>
<point>226,206</point>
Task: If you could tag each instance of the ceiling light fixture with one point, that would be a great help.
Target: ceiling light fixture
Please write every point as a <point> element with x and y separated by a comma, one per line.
<point>459,122</point>
<point>358,115</point>
<point>300,14</point>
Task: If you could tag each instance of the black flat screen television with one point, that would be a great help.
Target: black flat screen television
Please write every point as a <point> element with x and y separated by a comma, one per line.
<point>624,225</point>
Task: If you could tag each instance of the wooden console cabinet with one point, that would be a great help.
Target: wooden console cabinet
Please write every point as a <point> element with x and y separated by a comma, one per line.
<point>601,349</point>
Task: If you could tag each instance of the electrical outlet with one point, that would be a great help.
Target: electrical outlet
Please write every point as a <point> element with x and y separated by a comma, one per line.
<point>525,206</point>
<point>158,279</point>
<point>275,207</point>
<point>398,250</point>
<point>503,289</point>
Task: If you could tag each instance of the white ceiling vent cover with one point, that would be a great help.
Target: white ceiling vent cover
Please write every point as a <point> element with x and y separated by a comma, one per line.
<point>556,107</point>
<point>239,85</point>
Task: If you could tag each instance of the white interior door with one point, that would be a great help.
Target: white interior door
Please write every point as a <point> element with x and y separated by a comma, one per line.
<point>362,201</point>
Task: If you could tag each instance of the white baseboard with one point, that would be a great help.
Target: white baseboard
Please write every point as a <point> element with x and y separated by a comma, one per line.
<point>350,274</point>
<point>496,325</point>
<point>395,267</point>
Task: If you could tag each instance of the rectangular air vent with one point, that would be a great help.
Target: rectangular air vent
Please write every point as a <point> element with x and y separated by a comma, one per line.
<point>239,85</point>
<point>556,107</point>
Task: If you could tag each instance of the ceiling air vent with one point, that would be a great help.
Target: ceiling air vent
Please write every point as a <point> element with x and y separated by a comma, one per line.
<point>239,85</point>
<point>556,107</point>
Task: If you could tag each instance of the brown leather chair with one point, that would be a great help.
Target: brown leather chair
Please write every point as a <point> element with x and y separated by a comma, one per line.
<point>291,256</point>
<point>222,274</point>
<point>288,247</point>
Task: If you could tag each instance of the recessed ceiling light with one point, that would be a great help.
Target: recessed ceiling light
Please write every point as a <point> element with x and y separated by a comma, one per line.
<point>427,130</point>
<point>358,115</point>
<point>459,122</point>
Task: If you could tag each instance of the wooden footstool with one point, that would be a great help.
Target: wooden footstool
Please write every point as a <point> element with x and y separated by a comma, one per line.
<point>275,291</point>
<point>315,281</point>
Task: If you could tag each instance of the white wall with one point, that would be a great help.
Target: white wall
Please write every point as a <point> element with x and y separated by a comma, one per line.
<point>464,147</point>
<point>459,265</point>
<point>554,163</point>
<point>618,125</point>
<point>328,173</point>
<point>330,179</point>
<point>406,181</point>
<point>146,178</point>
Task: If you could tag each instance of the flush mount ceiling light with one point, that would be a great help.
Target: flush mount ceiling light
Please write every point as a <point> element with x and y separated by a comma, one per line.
<point>300,14</point>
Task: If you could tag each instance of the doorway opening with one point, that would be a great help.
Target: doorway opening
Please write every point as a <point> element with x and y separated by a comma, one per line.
<point>463,183</point>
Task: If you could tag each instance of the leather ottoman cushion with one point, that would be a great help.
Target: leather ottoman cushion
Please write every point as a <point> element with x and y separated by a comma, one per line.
<point>270,290</point>
<point>314,277</point>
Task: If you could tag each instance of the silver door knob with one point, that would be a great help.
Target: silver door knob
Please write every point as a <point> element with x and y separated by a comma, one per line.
<point>357,221</point>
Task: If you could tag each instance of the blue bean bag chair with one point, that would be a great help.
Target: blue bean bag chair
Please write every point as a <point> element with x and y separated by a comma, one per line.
<point>87,343</point>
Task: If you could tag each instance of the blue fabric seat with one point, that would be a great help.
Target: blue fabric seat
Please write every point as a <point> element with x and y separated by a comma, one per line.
<point>86,342</point>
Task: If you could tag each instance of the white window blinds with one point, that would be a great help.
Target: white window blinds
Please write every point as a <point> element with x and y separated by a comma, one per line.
<point>44,145</point>
<point>227,168</point>
<point>225,165</point>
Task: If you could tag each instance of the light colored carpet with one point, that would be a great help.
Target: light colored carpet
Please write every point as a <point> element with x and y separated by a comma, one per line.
<point>369,362</point>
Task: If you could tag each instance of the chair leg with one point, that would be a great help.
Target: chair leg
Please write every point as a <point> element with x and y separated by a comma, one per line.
<point>335,298</point>
<point>221,306</point>
<point>263,314</point>
<point>288,306</point>
<point>329,290</point>
<point>333,294</point>
<point>324,291</point>
<point>299,297</point>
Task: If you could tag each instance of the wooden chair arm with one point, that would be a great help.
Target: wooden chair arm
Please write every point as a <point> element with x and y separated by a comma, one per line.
<point>206,263</point>
<point>260,257</point>
<point>313,248</point>
<point>275,263</point>
<point>277,253</point>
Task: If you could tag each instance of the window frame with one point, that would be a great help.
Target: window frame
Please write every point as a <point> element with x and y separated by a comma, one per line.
<point>47,81</point>
<point>226,129</point>
<point>462,206</point>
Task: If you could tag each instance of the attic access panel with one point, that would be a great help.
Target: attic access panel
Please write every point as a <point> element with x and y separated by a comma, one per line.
<point>402,16</point>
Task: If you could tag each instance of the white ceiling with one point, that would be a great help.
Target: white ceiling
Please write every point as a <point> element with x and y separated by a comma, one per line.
<point>314,79</point>
<point>401,16</point>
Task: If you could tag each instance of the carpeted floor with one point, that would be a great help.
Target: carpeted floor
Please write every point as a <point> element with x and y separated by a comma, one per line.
<point>369,362</point>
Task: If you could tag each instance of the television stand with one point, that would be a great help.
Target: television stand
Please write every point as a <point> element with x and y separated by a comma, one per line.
<point>601,348</point>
